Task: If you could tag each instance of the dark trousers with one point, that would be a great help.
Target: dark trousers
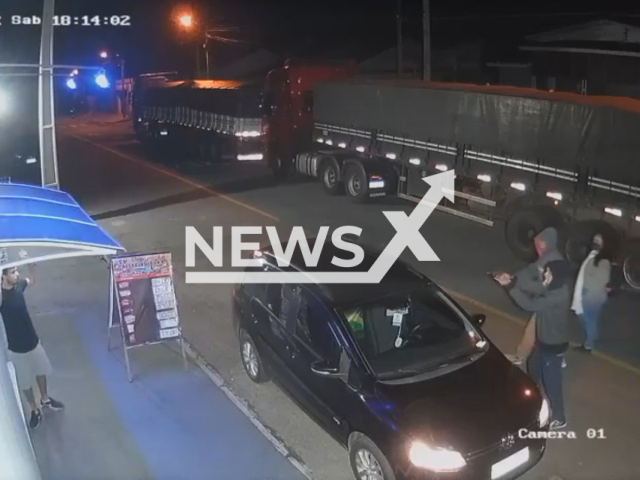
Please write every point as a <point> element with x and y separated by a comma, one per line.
<point>546,370</point>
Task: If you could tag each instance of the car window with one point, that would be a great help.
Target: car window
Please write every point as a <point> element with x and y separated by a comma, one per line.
<point>414,331</point>
<point>289,303</point>
<point>313,326</point>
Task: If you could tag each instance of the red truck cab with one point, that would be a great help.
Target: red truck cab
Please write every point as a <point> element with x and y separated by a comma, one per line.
<point>287,107</point>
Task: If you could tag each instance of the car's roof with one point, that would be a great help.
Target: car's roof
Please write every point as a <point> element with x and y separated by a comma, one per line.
<point>400,278</point>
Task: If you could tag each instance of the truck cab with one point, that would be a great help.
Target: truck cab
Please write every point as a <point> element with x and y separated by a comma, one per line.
<point>287,108</point>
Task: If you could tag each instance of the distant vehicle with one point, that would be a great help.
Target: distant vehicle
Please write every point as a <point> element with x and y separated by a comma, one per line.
<point>203,119</point>
<point>397,372</point>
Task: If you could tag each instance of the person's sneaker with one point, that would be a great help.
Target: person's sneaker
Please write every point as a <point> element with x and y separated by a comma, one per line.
<point>564,363</point>
<point>514,359</point>
<point>36,418</point>
<point>52,404</point>
<point>557,424</point>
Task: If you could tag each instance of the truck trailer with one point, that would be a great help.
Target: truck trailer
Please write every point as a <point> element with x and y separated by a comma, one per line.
<point>207,120</point>
<point>523,159</point>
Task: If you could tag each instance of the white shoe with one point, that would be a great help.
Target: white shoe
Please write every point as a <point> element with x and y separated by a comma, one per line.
<point>564,363</point>
<point>514,359</point>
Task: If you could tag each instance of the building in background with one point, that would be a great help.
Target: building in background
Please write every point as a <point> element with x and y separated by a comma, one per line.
<point>594,58</point>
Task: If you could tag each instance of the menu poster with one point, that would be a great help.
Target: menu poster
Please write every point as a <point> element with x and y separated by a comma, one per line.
<point>146,298</point>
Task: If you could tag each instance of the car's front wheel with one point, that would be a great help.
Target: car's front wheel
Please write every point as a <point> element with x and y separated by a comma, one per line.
<point>367,461</point>
<point>251,360</point>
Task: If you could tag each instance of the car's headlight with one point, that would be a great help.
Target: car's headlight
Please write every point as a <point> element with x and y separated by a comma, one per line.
<point>435,459</point>
<point>543,416</point>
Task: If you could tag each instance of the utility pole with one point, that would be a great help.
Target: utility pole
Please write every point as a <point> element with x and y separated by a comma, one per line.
<point>426,40</point>
<point>197,59</point>
<point>46,111</point>
<point>399,33</point>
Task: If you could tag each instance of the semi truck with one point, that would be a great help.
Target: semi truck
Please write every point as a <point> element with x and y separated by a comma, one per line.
<point>523,159</point>
<point>207,120</point>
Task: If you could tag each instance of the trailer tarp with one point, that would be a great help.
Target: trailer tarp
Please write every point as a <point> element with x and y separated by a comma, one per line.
<point>222,97</point>
<point>558,133</point>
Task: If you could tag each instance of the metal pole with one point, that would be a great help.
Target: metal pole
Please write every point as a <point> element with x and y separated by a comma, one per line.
<point>206,54</point>
<point>426,40</point>
<point>111,312</point>
<point>123,93</point>
<point>197,59</point>
<point>46,112</point>
<point>399,33</point>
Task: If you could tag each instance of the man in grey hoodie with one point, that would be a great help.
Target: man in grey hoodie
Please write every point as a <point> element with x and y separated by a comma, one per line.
<point>551,308</point>
<point>529,280</point>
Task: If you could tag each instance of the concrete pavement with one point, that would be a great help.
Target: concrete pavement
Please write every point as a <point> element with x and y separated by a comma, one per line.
<point>145,217</point>
<point>169,424</point>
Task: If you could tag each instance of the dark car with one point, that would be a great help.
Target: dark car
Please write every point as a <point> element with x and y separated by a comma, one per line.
<point>396,371</point>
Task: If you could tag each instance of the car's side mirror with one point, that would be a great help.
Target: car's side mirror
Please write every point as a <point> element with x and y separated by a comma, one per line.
<point>478,319</point>
<point>326,368</point>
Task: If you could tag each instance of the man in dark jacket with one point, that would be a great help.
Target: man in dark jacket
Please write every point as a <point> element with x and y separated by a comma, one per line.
<point>551,308</point>
<point>529,280</point>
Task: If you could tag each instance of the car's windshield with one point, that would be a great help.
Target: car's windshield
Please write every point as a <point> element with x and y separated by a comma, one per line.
<point>411,333</point>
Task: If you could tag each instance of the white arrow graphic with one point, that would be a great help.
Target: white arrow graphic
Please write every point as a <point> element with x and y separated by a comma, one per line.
<point>407,235</point>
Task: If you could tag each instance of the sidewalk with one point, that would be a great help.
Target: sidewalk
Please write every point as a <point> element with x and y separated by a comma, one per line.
<point>167,424</point>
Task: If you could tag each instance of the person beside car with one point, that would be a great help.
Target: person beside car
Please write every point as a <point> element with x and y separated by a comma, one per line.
<point>551,309</point>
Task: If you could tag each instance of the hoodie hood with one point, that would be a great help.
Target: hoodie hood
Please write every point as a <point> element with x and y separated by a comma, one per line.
<point>550,237</point>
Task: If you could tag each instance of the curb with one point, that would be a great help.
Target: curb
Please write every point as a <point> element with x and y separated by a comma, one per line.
<point>248,411</point>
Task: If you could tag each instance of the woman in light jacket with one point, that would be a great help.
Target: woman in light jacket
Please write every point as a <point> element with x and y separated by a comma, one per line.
<point>592,290</point>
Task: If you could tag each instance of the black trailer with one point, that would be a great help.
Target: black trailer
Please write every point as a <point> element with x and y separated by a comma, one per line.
<point>524,158</point>
<point>210,120</point>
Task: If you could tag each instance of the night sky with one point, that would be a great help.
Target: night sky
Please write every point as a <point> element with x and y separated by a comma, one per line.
<point>286,26</point>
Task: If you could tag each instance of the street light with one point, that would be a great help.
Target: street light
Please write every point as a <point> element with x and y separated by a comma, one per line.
<point>104,54</point>
<point>186,20</point>
<point>71,84</point>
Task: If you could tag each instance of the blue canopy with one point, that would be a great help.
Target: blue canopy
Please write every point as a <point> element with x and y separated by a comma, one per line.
<point>48,219</point>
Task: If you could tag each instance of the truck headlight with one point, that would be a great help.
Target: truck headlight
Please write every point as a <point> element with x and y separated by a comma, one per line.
<point>543,416</point>
<point>435,459</point>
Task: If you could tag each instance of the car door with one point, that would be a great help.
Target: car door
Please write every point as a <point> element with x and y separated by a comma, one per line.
<point>315,344</point>
<point>266,310</point>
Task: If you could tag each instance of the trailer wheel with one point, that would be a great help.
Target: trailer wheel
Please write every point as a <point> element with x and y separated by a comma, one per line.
<point>330,175</point>
<point>524,224</point>
<point>356,184</point>
<point>576,241</point>
<point>630,260</point>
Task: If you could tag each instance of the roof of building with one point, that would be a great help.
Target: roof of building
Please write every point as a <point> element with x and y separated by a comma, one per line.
<point>595,31</point>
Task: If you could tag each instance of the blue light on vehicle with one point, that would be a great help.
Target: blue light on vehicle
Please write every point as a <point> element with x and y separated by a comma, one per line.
<point>102,81</point>
<point>71,84</point>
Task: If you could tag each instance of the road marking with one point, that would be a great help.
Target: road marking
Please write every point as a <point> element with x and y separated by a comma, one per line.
<point>521,321</point>
<point>177,176</point>
<point>244,407</point>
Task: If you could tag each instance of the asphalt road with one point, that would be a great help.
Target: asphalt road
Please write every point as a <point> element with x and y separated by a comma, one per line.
<point>147,207</point>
